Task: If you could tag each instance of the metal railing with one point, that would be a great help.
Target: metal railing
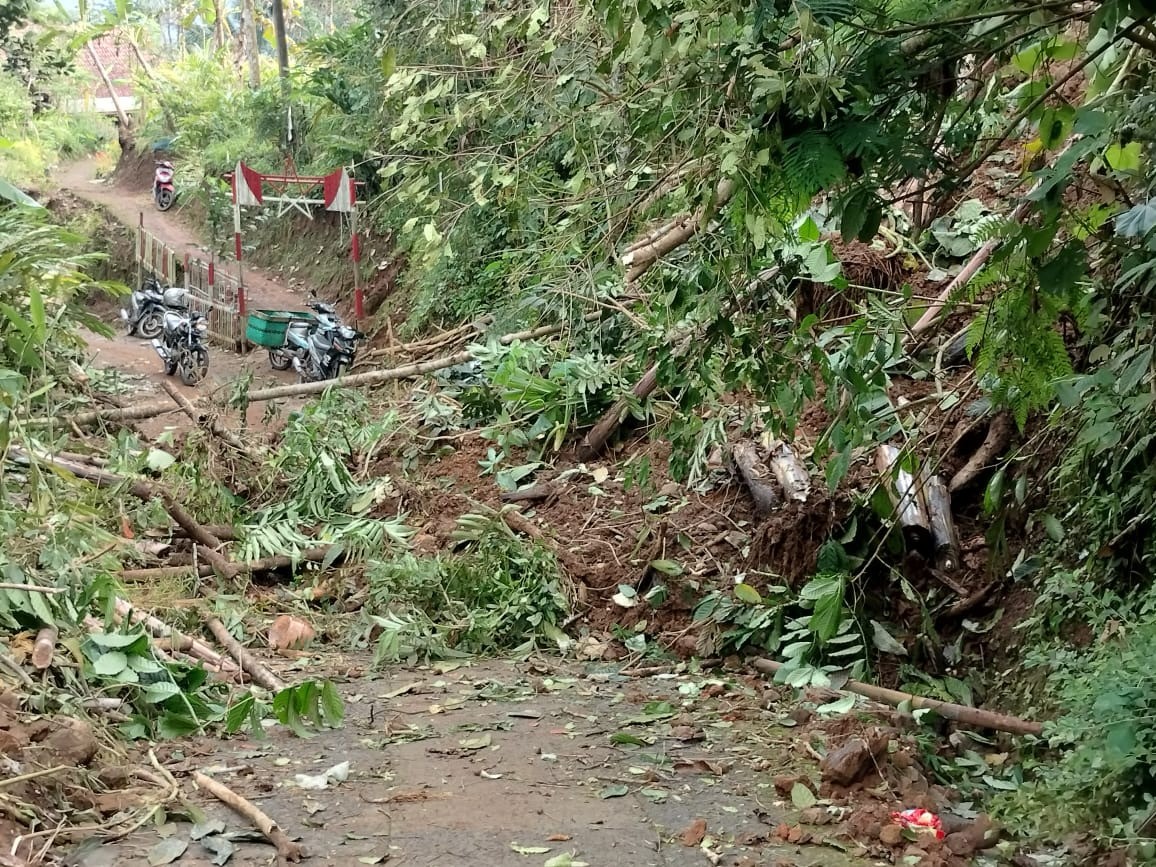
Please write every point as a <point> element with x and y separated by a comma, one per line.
<point>217,296</point>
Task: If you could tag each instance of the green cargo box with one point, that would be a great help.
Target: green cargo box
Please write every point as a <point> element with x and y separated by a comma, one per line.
<point>267,327</point>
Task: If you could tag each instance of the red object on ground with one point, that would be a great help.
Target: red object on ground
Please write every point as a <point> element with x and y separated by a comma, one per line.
<point>920,821</point>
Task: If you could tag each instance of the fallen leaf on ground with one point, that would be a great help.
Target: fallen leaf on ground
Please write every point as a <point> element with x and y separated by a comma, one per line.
<point>802,797</point>
<point>529,850</point>
<point>566,859</point>
<point>478,743</point>
<point>613,792</point>
<point>693,833</point>
<point>402,690</point>
<point>167,851</point>
<point>557,838</point>
<point>700,766</point>
<point>204,829</point>
<point>312,807</point>
<point>219,847</point>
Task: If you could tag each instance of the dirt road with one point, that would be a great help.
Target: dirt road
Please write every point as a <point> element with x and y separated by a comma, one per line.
<point>135,356</point>
<point>511,765</point>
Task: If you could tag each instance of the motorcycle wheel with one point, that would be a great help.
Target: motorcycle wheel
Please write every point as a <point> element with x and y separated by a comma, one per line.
<point>164,199</point>
<point>279,359</point>
<point>170,367</point>
<point>151,324</point>
<point>194,366</point>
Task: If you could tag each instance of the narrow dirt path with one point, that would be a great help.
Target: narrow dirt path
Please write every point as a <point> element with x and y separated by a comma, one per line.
<point>127,204</point>
<point>135,356</point>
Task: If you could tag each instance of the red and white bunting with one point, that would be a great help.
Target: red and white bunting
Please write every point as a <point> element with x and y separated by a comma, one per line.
<point>338,192</point>
<point>246,186</point>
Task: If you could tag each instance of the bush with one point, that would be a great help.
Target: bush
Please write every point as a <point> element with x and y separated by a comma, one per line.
<point>1101,783</point>
<point>500,595</point>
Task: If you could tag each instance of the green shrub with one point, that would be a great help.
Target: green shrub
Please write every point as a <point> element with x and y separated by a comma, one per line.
<point>500,595</point>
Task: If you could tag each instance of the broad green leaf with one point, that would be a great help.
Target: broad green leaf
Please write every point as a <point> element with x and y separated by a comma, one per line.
<point>161,691</point>
<point>110,664</point>
<point>748,594</point>
<point>617,791</point>
<point>667,567</point>
<point>802,797</point>
<point>884,641</point>
<point>838,706</point>
<point>16,196</point>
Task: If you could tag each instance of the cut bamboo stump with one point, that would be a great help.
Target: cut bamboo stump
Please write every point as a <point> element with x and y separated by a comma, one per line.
<point>943,533</point>
<point>792,476</point>
<point>757,477</point>
<point>906,497</point>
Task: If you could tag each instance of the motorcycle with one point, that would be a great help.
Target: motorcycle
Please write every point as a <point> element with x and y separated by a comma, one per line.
<point>163,190</point>
<point>318,350</point>
<point>147,306</point>
<point>181,346</point>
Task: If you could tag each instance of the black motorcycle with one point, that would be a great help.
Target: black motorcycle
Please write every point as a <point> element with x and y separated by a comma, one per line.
<point>145,312</point>
<point>181,346</point>
<point>322,349</point>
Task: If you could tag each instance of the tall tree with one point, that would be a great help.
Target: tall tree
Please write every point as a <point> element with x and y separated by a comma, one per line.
<point>249,48</point>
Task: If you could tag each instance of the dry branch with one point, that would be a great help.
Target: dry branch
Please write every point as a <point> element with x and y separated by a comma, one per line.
<point>287,850</point>
<point>998,436</point>
<point>209,422</point>
<point>757,476</point>
<point>957,712</point>
<point>249,663</point>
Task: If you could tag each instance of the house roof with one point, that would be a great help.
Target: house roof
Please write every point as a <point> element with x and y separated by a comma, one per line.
<point>116,56</point>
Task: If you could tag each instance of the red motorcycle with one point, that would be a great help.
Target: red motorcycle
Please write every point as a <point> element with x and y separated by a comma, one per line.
<point>163,190</point>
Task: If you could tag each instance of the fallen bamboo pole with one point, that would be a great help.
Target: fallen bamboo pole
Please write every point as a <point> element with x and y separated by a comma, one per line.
<point>159,629</point>
<point>261,675</point>
<point>265,564</point>
<point>287,850</point>
<point>357,380</point>
<point>956,712</point>
<point>209,423</point>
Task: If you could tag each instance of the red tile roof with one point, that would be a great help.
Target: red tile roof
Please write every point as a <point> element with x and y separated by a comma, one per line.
<point>117,57</point>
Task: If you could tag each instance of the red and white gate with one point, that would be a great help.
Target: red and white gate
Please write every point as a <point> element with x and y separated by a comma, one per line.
<point>338,194</point>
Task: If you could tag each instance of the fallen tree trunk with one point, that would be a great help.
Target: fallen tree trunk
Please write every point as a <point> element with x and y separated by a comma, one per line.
<point>597,437</point>
<point>261,675</point>
<point>956,712</point>
<point>758,478</point>
<point>265,564</point>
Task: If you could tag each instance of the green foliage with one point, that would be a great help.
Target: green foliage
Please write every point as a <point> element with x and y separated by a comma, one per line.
<point>499,595</point>
<point>319,446</point>
<point>1101,780</point>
